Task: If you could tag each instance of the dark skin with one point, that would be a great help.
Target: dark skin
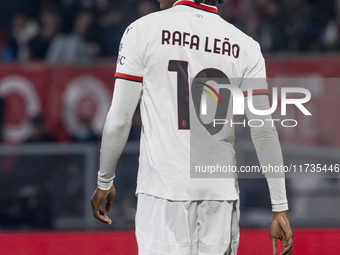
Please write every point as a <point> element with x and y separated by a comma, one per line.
<point>98,199</point>
<point>279,229</point>
<point>166,4</point>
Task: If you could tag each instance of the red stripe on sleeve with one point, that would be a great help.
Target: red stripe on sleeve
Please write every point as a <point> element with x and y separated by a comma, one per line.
<point>257,91</point>
<point>129,77</point>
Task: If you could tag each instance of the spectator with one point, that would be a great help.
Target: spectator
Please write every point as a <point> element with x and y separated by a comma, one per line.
<point>270,14</point>
<point>50,25</point>
<point>85,134</point>
<point>73,48</point>
<point>38,132</point>
<point>280,26</point>
<point>23,30</point>
<point>111,25</point>
<point>249,19</point>
<point>69,9</point>
<point>6,53</point>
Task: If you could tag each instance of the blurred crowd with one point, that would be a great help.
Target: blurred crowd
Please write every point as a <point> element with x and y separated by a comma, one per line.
<point>65,31</point>
<point>288,25</point>
<point>79,31</point>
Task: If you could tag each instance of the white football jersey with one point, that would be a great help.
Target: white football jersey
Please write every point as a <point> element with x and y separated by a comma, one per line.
<point>168,52</point>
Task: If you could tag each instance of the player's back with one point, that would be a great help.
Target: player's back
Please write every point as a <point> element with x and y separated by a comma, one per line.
<point>171,49</point>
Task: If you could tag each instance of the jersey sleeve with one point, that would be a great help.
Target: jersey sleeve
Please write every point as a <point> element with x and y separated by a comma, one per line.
<point>254,77</point>
<point>129,61</point>
<point>116,129</point>
<point>268,150</point>
<point>265,139</point>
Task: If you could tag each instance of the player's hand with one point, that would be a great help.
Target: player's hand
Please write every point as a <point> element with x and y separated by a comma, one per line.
<point>98,199</point>
<point>280,229</point>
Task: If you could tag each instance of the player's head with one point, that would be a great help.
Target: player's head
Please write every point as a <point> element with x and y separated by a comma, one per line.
<point>166,4</point>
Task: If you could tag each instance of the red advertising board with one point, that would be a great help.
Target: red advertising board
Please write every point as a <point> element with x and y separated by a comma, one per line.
<point>76,92</point>
<point>321,77</point>
<point>63,94</point>
<point>252,241</point>
<point>23,89</point>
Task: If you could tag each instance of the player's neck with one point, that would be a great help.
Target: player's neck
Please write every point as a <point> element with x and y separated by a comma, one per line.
<point>166,4</point>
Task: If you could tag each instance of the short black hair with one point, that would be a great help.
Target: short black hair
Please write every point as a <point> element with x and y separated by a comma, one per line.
<point>210,2</point>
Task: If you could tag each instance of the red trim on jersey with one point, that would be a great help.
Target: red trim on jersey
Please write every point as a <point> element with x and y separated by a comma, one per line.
<point>199,6</point>
<point>129,77</point>
<point>257,92</point>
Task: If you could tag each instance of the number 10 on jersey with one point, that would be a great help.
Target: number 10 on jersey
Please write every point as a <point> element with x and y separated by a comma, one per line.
<point>197,88</point>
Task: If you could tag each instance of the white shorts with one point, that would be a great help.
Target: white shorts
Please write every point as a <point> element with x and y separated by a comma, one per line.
<point>186,227</point>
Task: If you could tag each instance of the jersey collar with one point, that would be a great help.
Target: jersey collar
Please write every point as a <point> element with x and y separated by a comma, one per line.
<point>203,7</point>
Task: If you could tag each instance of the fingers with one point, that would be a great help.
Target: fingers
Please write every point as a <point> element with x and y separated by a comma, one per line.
<point>288,237</point>
<point>287,244</point>
<point>100,215</point>
<point>281,229</point>
<point>287,250</point>
<point>98,198</point>
<point>283,240</point>
<point>274,245</point>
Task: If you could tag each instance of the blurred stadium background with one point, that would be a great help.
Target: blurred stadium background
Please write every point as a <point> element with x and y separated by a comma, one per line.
<point>56,82</point>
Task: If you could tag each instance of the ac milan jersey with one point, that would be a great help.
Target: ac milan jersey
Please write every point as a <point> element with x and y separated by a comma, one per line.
<point>164,53</point>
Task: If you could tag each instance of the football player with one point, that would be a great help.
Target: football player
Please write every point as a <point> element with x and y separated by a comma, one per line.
<point>161,57</point>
